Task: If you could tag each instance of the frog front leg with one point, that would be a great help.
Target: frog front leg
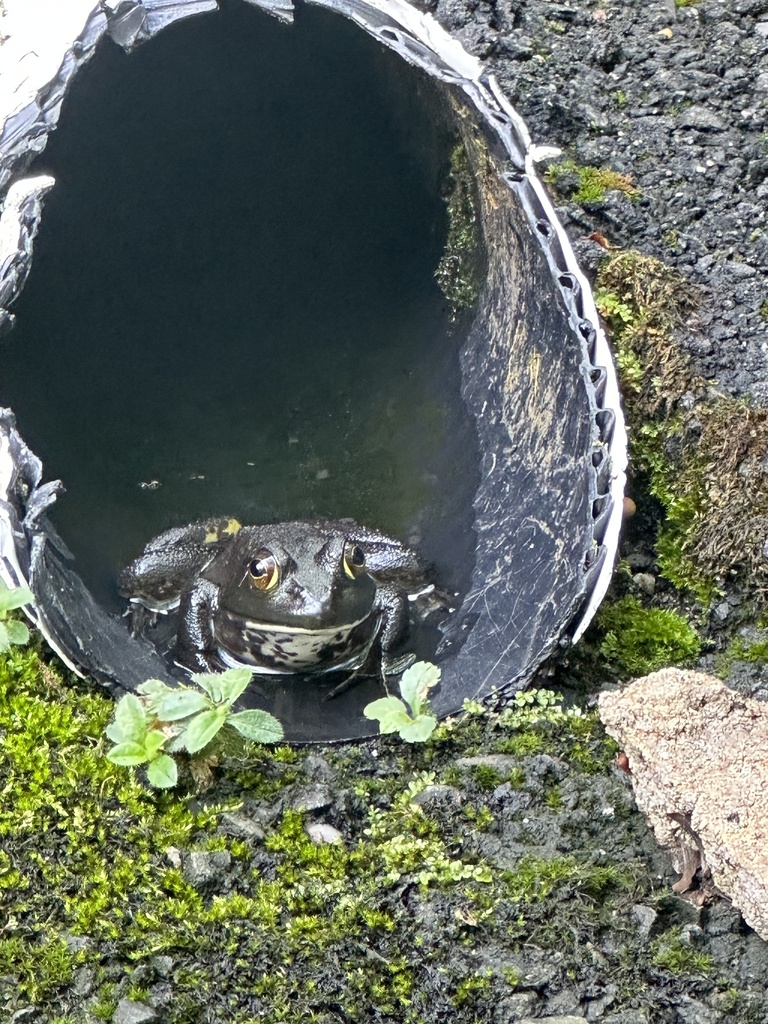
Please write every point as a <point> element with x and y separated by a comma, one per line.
<point>196,648</point>
<point>173,560</point>
<point>393,607</point>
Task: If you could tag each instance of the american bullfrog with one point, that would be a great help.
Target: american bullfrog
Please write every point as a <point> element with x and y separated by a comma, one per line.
<point>300,597</point>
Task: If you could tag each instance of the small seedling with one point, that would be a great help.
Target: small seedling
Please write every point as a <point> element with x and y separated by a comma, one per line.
<point>11,631</point>
<point>164,720</point>
<point>392,713</point>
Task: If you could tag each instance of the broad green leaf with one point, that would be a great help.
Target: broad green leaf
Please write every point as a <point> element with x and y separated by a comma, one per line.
<point>154,690</point>
<point>417,681</point>
<point>390,712</point>
<point>127,753</point>
<point>17,632</point>
<point>210,682</point>
<point>163,773</point>
<point>202,728</point>
<point>418,729</point>
<point>5,640</point>
<point>14,598</point>
<point>115,733</point>
<point>152,743</point>
<point>131,717</point>
<point>233,682</point>
<point>181,704</point>
<point>256,725</point>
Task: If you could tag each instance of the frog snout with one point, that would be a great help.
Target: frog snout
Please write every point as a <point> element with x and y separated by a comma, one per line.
<point>306,601</point>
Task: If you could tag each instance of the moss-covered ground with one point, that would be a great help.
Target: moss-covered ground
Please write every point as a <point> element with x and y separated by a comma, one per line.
<point>499,861</point>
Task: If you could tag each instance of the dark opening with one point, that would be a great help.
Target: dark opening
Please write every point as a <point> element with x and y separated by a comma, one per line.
<point>232,308</point>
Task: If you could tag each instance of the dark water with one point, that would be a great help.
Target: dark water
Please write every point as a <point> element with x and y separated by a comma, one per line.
<point>233,293</point>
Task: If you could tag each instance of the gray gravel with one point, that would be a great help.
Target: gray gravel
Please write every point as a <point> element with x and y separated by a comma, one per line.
<point>677,97</point>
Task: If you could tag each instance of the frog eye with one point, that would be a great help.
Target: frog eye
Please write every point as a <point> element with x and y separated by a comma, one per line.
<point>264,570</point>
<point>353,559</point>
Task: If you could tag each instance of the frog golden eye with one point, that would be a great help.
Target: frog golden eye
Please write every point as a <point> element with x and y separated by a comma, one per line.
<point>264,571</point>
<point>354,560</point>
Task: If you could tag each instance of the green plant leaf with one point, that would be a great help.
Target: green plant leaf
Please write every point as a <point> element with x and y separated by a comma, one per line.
<point>5,640</point>
<point>14,598</point>
<point>211,683</point>
<point>202,728</point>
<point>419,729</point>
<point>153,691</point>
<point>416,683</point>
<point>162,772</point>
<point>181,704</point>
<point>130,717</point>
<point>179,741</point>
<point>115,733</point>
<point>390,712</point>
<point>233,682</point>
<point>256,725</point>
<point>152,742</point>
<point>127,753</point>
<point>17,632</point>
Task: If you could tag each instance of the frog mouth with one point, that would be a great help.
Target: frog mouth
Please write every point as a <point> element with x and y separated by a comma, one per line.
<point>536,376</point>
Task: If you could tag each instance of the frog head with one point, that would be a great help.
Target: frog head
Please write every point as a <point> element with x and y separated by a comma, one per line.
<point>300,575</point>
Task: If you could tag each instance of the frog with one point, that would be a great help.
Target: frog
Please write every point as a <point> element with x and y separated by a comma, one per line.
<point>305,597</point>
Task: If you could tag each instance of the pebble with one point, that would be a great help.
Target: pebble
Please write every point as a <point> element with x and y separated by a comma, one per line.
<point>645,918</point>
<point>202,868</point>
<point>237,824</point>
<point>130,1012</point>
<point>559,1019</point>
<point>645,582</point>
<point>321,833</point>
<point>312,798</point>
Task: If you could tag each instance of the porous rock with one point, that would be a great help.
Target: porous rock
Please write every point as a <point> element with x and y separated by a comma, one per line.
<point>698,756</point>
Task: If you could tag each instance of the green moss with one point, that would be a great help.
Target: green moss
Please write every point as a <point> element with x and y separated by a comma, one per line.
<point>481,817</point>
<point>536,879</point>
<point>764,310</point>
<point>460,271</point>
<point>295,926</point>
<point>700,460</point>
<point>594,182</point>
<point>553,798</point>
<point>36,969</point>
<point>676,957</point>
<point>486,776</point>
<point>640,640</point>
<point>472,988</point>
<point>521,745</point>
